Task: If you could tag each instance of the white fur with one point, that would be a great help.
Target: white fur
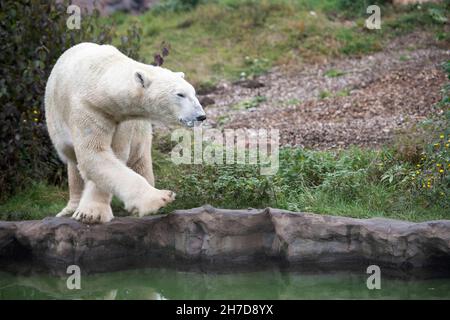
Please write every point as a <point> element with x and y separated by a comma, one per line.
<point>99,107</point>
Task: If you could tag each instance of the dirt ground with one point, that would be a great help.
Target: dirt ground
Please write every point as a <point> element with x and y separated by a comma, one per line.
<point>360,101</point>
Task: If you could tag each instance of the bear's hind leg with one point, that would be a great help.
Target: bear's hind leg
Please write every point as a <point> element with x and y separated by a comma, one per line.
<point>94,206</point>
<point>141,163</point>
<point>140,147</point>
<point>144,167</point>
<point>76,185</point>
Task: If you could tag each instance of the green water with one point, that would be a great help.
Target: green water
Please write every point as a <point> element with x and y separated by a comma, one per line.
<point>172,284</point>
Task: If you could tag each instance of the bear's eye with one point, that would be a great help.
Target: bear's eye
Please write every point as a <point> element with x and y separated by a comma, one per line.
<point>181,95</point>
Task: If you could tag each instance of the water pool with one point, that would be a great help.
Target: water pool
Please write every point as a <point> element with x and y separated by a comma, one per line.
<point>160,283</point>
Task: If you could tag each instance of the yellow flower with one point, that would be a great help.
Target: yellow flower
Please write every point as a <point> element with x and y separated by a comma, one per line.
<point>36,119</point>
<point>437,144</point>
<point>442,136</point>
<point>35,112</point>
<point>418,166</point>
<point>447,145</point>
<point>441,170</point>
<point>417,172</point>
<point>438,164</point>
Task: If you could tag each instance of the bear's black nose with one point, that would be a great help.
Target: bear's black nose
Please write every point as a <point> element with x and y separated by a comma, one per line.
<point>201,118</point>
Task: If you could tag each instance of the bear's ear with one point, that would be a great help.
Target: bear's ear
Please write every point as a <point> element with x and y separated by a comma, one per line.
<point>142,79</point>
<point>181,74</point>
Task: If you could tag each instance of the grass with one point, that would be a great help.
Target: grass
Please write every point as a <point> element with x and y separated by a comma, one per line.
<point>324,94</point>
<point>355,182</point>
<point>230,39</point>
<point>333,73</point>
<point>250,103</point>
<point>37,201</point>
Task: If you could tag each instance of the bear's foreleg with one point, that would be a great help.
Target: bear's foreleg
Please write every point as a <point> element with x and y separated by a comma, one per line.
<point>92,137</point>
<point>94,206</point>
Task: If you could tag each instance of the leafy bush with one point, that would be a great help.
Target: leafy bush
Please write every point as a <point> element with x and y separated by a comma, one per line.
<point>240,186</point>
<point>352,8</point>
<point>354,182</point>
<point>227,186</point>
<point>431,177</point>
<point>430,15</point>
<point>34,34</point>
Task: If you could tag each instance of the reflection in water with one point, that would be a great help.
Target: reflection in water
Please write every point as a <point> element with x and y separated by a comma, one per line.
<point>171,284</point>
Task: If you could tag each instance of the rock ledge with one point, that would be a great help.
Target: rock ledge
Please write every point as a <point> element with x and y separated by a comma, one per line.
<point>207,236</point>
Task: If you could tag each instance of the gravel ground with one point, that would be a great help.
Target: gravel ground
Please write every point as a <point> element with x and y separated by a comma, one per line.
<point>374,96</point>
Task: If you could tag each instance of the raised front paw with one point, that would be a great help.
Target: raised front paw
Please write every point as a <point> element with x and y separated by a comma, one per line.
<point>93,213</point>
<point>151,202</point>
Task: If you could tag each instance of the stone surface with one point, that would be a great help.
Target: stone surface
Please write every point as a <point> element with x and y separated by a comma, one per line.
<point>220,238</point>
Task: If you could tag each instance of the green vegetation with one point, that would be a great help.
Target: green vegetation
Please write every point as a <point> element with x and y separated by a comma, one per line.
<point>230,39</point>
<point>289,102</point>
<point>333,73</point>
<point>409,180</point>
<point>250,103</point>
<point>34,34</point>
<point>324,94</point>
<point>355,182</point>
<point>35,202</point>
<point>428,146</point>
<point>343,93</point>
<point>340,93</point>
<point>217,39</point>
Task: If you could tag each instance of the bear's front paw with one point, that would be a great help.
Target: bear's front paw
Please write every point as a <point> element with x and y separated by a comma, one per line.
<point>93,213</point>
<point>68,210</point>
<point>151,202</point>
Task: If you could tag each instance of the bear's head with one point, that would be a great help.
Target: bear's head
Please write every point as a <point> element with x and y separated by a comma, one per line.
<point>168,97</point>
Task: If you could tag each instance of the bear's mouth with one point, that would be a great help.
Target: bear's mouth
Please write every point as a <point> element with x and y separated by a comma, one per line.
<point>188,123</point>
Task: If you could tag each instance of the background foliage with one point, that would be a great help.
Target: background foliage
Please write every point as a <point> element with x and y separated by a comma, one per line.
<point>211,41</point>
<point>34,34</point>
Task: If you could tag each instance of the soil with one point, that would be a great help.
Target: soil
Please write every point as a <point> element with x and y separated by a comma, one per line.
<point>353,101</point>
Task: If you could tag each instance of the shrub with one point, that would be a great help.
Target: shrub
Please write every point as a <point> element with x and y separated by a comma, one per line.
<point>432,173</point>
<point>34,34</point>
<point>352,8</point>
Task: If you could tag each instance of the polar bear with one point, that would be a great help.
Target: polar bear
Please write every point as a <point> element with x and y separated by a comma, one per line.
<point>100,106</point>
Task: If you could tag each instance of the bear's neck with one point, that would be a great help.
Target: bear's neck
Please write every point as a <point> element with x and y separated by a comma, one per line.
<point>123,97</point>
